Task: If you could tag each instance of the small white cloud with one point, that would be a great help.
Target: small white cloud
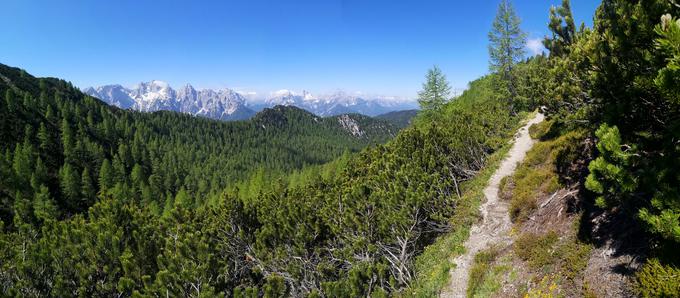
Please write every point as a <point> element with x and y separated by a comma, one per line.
<point>535,46</point>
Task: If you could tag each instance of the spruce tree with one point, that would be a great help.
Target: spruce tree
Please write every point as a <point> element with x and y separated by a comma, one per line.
<point>40,172</point>
<point>435,91</point>
<point>182,199</point>
<point>21,163</point>
<point>507,41</point>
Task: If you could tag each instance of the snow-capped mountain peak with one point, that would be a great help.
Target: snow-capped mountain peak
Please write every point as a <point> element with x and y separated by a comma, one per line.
<point>224,104</point>
<point>308,96</point>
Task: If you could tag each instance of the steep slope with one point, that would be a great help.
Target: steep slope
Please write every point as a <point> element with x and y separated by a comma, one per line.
<point>399,118</point>
<point>360,127</point>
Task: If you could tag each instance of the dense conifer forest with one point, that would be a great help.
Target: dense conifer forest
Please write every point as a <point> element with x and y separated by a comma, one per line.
<point>97,201</point>
<point>78,147</point>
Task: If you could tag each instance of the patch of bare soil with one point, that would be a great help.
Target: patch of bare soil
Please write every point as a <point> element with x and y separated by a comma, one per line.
<point>620,247</point>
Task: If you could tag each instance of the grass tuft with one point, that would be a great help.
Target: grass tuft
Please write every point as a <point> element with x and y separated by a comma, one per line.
<point>484,274</point>
<point>539,174</point>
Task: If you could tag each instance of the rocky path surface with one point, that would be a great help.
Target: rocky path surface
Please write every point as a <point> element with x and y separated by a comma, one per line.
<point>495,225</point>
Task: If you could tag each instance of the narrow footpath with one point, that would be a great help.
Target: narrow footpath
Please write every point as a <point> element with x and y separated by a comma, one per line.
<point>495,225</point>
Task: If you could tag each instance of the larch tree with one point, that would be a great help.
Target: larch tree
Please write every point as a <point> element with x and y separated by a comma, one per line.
<point>70,184</point>
<point>87,188</point>
<point>435,91</point>
<point>507,42</point>
<point>106,176</point>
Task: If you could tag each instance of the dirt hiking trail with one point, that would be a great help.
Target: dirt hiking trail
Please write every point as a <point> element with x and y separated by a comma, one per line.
<point>495,225</point>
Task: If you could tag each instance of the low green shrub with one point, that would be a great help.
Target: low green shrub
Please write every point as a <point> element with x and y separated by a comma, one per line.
<point>574,257</point>
<point>540,130</point>
<point>540,172</point>
<point>658,280</point>
<point>536,250</point>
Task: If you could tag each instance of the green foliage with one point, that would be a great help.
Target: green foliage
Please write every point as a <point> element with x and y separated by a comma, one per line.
<point>536,250</point>
<point>400,119</point>
<point>622,76</point>
<point>144,156</point>
<point>574,257</point>
<point>506,44</point>
<point>432,273</point>
<point>549,254</point>
<point>563,29</point>
<point>43,207</point>
<point>531,86</point>
<point>608,174</point>
<point>668,80</point>
<point>435,91</point>
<point>483,272</point>
<point>539,130</point>
<point>161,225</point>
<point>655,279</point>
<point>540,172</point>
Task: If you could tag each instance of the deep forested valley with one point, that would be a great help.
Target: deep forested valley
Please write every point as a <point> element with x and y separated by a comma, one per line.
<point>96,201</point>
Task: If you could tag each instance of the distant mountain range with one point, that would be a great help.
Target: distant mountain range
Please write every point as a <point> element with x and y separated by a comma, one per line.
<point>223,104</point>
<point>227,104</point>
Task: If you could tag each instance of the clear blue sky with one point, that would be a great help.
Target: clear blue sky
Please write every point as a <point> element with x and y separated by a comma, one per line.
<point>379,47</point>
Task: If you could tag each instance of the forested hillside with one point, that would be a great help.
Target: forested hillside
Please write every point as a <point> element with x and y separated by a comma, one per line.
<point>69,148</point>
<point>399,118</point>
<point>100,201</point>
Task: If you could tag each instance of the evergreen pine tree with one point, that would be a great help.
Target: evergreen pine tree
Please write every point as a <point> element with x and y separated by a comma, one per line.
<point>507,42</point>
<point>44,139</point>
<point>40,175</point>
<point>106,176</point>
<point>43,207</point>
<point>435,91</point>
<point>182,199</point>
<point>9,100</point>
<point>22,163</point>
<point>563,29</point>
<point>67,140</point>
<point>70,184</point>
<point>87,188</point>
